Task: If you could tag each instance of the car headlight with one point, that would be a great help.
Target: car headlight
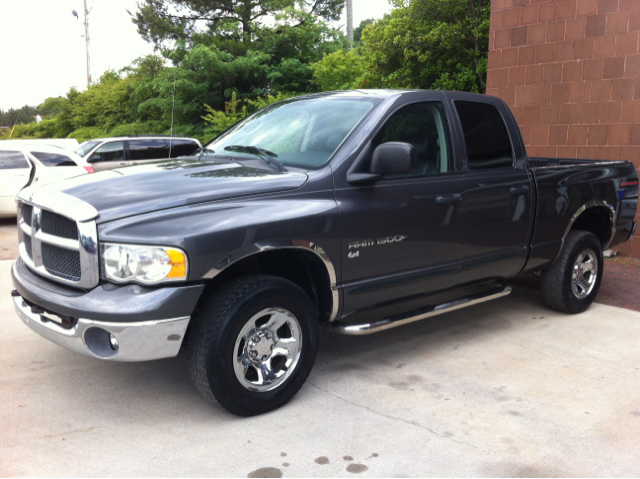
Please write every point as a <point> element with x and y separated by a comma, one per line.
<point>124,263</point>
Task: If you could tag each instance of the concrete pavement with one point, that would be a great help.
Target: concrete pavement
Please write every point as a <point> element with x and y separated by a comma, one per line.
<point>506,388</point>
<point>8,238</point>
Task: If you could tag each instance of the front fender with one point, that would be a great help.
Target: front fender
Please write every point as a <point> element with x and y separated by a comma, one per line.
<point>216,235</point>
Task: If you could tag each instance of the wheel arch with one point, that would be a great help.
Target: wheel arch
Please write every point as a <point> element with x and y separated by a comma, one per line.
<point>300,261</point>
<point>597,217</point>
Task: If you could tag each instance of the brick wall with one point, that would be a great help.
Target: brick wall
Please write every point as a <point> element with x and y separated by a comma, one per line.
<point>570,71</point>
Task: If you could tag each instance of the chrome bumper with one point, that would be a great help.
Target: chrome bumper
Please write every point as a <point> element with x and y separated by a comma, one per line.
<point>140,341</point>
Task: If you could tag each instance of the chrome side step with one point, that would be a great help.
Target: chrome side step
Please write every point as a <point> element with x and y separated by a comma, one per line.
<point>394,321</point>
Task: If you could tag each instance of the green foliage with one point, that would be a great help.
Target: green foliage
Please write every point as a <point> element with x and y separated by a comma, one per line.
<point>235,110</point>
<point>88,133</point>
<point>26,114</point>
<point>164,21</point>
<point>437,44</point>
<point>44,129</point>
<point>357,32</point>
<point>340,70</point>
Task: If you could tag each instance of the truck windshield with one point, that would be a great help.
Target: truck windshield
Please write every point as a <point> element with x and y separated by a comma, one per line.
<point>302,133</point>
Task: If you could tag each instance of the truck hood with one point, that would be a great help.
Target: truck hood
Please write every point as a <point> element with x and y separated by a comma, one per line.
<point>139,189</point>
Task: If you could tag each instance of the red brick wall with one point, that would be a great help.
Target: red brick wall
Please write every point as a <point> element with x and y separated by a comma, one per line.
<point>570,71</point>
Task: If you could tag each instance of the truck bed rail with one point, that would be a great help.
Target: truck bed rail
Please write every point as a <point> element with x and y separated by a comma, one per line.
<point>550,162</point>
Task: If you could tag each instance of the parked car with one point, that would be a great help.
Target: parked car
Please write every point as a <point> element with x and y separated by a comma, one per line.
<point>36,165</point>
<point>353,211</point>
<point>108,153</point>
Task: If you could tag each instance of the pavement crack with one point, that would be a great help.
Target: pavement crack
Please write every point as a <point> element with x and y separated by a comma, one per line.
<point>68,433</point>
<point>394,418</point>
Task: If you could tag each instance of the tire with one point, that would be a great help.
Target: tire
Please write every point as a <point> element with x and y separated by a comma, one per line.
<point>561,291</point>
<point>235,329</point>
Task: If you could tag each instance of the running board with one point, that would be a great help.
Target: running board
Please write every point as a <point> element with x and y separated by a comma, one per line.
<point>399,320</point>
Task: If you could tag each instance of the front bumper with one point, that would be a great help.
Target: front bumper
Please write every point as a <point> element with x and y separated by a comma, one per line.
<point>143,323</point>
<point>134,341</point>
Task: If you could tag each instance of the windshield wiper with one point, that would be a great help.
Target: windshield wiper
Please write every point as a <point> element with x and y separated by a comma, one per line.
<point>266,155</point>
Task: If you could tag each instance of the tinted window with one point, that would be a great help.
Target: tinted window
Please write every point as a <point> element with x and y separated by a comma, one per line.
<point>10,160</point>
<point>424,126</point>
<point>53,159</point>
<point>148,149</point>
<point>486,136</point>
<point>113,151</point>
<point>183,148</point>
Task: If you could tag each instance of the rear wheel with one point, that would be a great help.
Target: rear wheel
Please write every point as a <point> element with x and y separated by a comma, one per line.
<point>571,284</point>
<point>253,344</point>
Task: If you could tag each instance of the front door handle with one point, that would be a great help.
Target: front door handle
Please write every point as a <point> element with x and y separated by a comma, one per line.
<point>449,199</point>
<point>519,190</point>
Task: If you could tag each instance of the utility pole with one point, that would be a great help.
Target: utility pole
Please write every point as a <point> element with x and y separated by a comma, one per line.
<point>349,20</point>
<point>88,40</point>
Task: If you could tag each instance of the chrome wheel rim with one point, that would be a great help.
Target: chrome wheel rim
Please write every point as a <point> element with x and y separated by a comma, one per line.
<point>585,272</point>
<point>267,350</point>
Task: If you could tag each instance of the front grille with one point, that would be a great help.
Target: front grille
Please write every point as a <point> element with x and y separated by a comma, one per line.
<point>27,211</point>
<point>58,225</point>
<point>61,262</point>
<point>50,242</point>
<point>28,246</point>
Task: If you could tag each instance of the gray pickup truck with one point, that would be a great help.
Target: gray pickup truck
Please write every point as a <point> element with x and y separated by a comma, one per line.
<point>354,211</point>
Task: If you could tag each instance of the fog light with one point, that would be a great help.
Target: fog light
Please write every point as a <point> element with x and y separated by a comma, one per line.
<point>113,342</point>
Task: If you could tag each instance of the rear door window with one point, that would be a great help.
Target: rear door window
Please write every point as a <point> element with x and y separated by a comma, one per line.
<point>148,149</point>
<point>53,159</point>
<point>183,148</point>
<point>13,160</point>
<point>485,134</point>
<point>112,151</point>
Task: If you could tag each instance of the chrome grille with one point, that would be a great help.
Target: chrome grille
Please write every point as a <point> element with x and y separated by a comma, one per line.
<point>54,245</point>
<point>27,211</point>
<point>58,225</point>
<point>28,246</point>
<point>61,262</point>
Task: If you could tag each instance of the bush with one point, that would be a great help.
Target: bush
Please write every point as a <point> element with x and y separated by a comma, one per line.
<point>87,133</point>
<point>340,70</point>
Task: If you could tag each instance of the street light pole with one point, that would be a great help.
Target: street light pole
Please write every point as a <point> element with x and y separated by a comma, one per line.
<point>88,41</point>
<point>349,20</point>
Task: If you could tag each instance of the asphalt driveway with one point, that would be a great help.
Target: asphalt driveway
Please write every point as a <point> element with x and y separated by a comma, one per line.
<point>507,388</point>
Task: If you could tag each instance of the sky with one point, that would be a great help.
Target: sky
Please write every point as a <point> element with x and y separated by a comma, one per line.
<point>43,48</point>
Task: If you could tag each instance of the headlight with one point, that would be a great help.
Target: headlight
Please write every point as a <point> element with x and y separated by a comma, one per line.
<point>144,264</point>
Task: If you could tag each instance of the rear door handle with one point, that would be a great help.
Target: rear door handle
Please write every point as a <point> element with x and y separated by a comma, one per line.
<point>519,190</point>
<point>449,199</point>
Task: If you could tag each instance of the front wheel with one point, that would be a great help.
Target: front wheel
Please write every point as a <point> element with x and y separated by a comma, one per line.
<point>571,284</point>
<point>253,344</point>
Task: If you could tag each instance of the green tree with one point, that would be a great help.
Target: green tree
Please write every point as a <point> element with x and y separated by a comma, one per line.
<point>357,33</point>
<point>162,21</point>
<point>340,71</point>
<point>438,44</point>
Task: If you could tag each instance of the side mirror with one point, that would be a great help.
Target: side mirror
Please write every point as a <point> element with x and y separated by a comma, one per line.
<point>93,159</point>
<point>393,157</point>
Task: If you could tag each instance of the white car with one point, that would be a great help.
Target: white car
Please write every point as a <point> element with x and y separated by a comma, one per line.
<point>68,143</point>
<point>108,153</point>
<point>34,165</point>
